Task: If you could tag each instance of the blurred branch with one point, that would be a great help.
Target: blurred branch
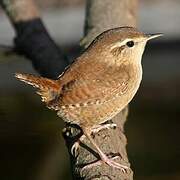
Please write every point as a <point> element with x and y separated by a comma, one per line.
<point>32,39</point>
<point>103,15</point>
<point>100,16</point>
<point>20,10</point>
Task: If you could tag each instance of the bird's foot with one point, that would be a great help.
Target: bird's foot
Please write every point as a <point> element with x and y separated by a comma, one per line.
<point>101,127</point>
<point>94,130</point>
<point>108,161</point>
<point>75,146</point>
<point>114,164</point>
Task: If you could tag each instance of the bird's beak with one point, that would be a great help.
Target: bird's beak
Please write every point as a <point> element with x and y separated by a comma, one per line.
<point>152,36</point>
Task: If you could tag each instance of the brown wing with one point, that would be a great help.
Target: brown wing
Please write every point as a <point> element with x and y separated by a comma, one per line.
<point>92,85</point>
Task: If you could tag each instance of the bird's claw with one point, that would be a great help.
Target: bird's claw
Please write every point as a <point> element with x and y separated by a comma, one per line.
<point>94,130</point>
<point>114,164</point>
<point>109,162</point>
<point>74,148</point>
<point>103,126</point>
<point>76,145</point>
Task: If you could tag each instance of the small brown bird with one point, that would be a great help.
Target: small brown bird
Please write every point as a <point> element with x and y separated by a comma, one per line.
<point>99,84</point>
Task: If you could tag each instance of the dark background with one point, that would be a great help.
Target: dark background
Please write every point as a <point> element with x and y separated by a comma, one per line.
<point>31,144</point>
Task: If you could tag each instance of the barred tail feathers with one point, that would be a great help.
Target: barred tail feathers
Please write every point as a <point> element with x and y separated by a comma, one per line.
<point>48,89</point>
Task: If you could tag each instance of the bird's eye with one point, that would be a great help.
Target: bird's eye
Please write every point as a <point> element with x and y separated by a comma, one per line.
<point>130,43</point>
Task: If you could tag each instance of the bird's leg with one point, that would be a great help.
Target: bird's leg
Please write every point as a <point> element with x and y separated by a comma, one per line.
<point>103,157</point>
<point>93,131</point>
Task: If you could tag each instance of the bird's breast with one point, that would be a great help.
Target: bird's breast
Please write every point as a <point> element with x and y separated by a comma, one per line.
<point>122,87</point>
<point>135,77</point>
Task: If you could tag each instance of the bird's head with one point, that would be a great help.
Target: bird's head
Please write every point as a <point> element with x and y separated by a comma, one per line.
<point>123,44</point>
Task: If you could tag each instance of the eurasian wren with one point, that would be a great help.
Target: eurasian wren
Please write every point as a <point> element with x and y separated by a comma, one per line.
<point>99,84</point>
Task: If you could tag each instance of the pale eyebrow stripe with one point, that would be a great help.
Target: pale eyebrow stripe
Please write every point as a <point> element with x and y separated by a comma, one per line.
<point>119,44</point>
